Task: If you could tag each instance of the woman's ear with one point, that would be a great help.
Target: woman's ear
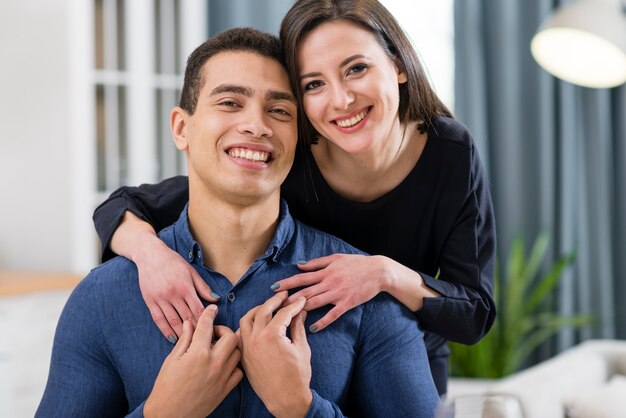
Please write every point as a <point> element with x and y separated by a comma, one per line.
<point>178,124</point>
<point>401,74</point>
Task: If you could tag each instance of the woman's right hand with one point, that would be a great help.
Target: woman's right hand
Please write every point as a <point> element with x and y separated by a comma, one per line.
<point>170,286</point>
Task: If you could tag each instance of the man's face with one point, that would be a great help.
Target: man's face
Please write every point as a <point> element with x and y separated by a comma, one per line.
<point>240,141</point>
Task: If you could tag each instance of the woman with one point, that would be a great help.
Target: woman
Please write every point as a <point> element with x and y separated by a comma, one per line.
<point>382,165</point>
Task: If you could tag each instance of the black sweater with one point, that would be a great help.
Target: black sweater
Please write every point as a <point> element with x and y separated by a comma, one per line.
<point>438,221</point>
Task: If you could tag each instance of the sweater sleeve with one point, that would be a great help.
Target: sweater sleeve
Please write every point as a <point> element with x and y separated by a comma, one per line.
<point>467,309</point>
<point>158,204</point>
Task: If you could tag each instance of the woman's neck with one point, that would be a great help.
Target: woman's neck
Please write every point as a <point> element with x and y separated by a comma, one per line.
<point>363,177</point>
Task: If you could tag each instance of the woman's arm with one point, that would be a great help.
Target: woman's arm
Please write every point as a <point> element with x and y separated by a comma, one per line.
<point>158,204</point>
<point>458,305</point>
<point>126,224</point>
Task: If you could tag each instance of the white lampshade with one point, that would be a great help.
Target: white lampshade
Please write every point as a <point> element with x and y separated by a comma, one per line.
<point>584,43</point>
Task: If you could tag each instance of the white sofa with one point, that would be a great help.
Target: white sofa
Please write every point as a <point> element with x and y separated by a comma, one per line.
<point>586,381</point>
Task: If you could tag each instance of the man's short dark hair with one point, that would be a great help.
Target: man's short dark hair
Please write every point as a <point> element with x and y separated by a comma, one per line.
<point>237,39</point>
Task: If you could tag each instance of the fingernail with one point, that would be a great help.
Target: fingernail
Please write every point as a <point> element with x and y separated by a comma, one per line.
<point>172,339</point>
<point>212,307</point>
<point>313,328</point>
<point>215,295</point>
<point>275,286</point>
<point>301,263</point>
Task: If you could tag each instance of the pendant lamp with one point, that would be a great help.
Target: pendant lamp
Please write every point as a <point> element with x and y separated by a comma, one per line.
<point>584,43</point>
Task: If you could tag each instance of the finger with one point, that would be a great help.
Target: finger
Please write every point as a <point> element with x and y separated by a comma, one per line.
<point>245,324</point>
<point>172,318</point>
<point>320,300</point>
<point>234,379</point>
<point>233,360</point>
<point>184,342</point>
<point>227,340</point>
<point>204,330</point>
<point>203,289</point>
<point>161,323</point>
<point>308,293</point>
<point>328,319</point>
<point>195,306</point>
<point>183,310</point>
<point>264,313</point>
<point>317,263</point>
<point>296,329</point>
<point>299,280</point>
<point>283,317</point>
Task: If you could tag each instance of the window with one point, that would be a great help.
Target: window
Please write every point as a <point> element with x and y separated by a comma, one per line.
<point>430,25</point>
<point>126,63</point>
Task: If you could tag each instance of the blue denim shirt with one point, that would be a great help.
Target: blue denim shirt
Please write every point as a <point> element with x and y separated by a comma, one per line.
<point>107,351</point>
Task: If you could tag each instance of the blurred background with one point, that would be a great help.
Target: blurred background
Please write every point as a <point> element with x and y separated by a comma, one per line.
<point>87,86</point>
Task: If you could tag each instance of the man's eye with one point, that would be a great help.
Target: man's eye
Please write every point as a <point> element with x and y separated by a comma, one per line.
<point>229,103</point>
<point>312,85</point>
<point>280,112</point>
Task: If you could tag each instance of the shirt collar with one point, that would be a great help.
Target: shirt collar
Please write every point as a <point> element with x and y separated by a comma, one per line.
<point>189,249</point>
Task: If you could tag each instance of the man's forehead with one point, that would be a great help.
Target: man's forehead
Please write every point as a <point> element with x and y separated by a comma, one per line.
<point>246,69</point>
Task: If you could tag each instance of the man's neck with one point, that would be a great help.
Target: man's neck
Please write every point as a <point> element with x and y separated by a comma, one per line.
<point>232,235</point>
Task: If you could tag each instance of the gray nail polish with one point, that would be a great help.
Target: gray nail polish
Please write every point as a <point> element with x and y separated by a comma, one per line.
<point>215,295</point>
<point>172,339</point>
<point>313,328</point>
<point>301,263</point>
<point>275,286</point>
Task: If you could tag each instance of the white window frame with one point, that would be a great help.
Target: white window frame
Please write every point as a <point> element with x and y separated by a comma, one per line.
<point>141,82</point>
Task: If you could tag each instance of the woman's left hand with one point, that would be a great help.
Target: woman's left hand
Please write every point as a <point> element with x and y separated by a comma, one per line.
<point>343,280</point>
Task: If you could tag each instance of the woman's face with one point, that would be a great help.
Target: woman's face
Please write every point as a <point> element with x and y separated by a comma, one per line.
<point>349,86</point>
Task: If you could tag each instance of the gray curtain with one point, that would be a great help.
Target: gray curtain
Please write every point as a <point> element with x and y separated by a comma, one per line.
<point>264,15</point>
<point>555,154</point>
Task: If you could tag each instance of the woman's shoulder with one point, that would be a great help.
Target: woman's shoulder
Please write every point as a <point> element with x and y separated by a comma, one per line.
<point>450,130</point>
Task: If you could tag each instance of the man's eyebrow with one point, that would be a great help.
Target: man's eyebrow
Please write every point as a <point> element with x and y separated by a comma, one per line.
<point>232,88</point>
<point>280,95</point>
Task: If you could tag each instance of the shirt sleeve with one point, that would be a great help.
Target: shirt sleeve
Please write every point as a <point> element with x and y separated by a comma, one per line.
<point>82,381</point>
<point>467,309</point>
<point>392,376</point>
<point>158,204</point>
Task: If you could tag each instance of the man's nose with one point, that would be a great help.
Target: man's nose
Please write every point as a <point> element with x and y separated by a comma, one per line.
<point>255,124</point>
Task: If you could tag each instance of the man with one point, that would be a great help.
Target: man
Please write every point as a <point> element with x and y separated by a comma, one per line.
<point>237,126</point>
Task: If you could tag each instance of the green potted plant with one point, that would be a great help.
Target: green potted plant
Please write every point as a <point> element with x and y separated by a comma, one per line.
<point>525,315</point>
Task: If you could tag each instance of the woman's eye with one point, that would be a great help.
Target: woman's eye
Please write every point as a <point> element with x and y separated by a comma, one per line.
<point>358,68</point>
<point>312,85</point>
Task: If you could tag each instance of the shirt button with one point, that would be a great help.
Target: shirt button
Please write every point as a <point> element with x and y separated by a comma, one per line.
<point>231,296</point>
<point>190,254</point>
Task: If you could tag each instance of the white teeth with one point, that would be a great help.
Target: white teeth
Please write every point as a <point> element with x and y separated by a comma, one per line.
<point>249,154</point>
<point>352,121</point>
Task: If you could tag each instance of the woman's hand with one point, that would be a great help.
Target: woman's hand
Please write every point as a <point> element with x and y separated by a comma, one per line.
<point>199,372</point>
<point>170,287</point>
<point>348,280</point>
<point>343,280</point>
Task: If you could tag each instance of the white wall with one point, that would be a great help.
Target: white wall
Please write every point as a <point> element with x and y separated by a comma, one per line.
<point>34,140</point>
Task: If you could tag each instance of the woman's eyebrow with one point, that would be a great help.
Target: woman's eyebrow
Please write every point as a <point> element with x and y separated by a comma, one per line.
<point>341,64</point>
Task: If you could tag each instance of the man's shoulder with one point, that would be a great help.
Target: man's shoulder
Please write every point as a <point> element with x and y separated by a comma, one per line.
<point>109,275</point>
<point>312,238</point>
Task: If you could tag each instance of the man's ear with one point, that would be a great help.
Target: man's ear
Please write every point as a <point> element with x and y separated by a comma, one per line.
<point>179,118</point>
